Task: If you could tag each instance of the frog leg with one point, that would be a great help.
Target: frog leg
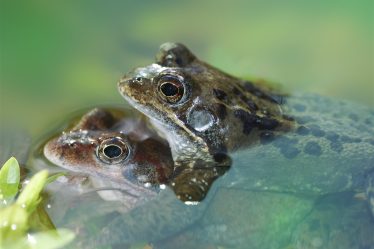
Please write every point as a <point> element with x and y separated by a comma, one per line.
<point>191,185</point>
<point>193,179</point>
<point>370,191</point>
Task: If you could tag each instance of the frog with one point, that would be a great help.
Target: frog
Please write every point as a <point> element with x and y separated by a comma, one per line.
<point>290,143</point>
<point>194,106</point>
<point>99,141</point>
<point>111,138</point>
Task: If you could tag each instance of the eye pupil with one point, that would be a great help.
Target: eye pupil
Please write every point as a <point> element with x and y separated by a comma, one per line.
<point>112,151</point>
<point>169,89</point>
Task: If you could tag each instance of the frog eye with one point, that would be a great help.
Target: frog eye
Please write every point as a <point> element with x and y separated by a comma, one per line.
<point>113,150</point>
<point>171,88</point>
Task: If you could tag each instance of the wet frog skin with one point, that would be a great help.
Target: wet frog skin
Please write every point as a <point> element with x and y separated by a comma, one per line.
<point>302,143</point>
<point>122,151</point>
<point>202,112</point>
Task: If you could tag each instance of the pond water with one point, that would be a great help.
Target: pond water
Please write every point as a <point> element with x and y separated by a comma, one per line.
<point>57,58</point>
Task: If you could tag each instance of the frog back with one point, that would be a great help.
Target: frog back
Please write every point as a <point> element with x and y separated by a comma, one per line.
<point>330,150</point>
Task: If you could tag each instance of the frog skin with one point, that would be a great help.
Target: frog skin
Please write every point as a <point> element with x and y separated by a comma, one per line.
<point>302,143</point>
<point>121,151</point>
<point>145,158</point>
<point>203,112</point>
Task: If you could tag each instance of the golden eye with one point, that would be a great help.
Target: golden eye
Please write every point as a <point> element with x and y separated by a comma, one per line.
<point>171,88</point>
<point>113,150</point>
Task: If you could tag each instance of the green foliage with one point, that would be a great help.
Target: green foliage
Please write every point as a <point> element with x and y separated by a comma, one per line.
<point>9,179</point>
<point>19,216</point>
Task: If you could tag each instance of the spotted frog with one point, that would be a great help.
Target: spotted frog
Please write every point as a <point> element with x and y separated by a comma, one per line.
<point>203,112</point>
<point>104,145</point>
<point>112,145</point>
<point>301,143</point>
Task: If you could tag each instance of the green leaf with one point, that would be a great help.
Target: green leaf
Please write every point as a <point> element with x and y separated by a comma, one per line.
<point>9,179</point>
<point>30,196</point>
<point>39,220</point>
<point>44,240</point>
<point>13,220</point>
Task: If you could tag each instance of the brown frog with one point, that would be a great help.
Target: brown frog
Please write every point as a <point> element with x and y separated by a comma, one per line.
<point>202,112</point>
<point>106,146</point>
<point>300,143</point>
<point>110,145</point>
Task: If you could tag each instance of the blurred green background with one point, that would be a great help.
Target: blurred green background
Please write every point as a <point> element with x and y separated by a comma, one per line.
<point>60,56</point>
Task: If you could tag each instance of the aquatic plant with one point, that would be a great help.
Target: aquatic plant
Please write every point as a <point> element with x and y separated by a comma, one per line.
<point>24,224</point>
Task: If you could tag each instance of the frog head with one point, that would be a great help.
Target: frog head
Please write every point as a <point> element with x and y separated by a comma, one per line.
<point>97,147</point>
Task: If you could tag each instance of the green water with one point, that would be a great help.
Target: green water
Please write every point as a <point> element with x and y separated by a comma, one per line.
<point>58,57</point>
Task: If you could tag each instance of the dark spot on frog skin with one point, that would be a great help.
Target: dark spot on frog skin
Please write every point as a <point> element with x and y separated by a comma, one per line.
<point>299,107</point>
<point>236,91</point>
<point>302,130</point>
<point>287,147</point>
<point>312,148</point>
<point>336,146</point>
<point>289,152</point>
<point>316,131</point>
<point>219,94</point>
<point>266,137</point>
<point>251,105</point>
<point>267,123</point>
<point>332,136</point>
<point>353,116</point>
<point>221,111</point>
<point>251,121</point>
<point>247,119</point>
<point>250,87</point>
